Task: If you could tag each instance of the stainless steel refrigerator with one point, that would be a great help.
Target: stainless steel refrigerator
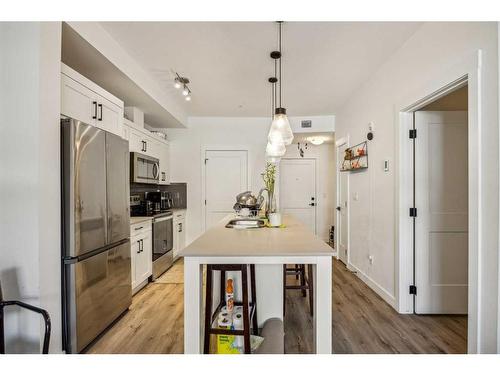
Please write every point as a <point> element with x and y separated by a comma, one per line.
<point>96,273</point>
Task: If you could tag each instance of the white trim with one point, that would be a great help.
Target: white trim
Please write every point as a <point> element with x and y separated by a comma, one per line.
<point>203,153</point>
<point>383,293</point>
<point>341,142</point>
<point>467,71</point>
<point>316,184</point>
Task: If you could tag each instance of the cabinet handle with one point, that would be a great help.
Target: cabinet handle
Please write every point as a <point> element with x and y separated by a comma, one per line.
<point>180,227</point>
<point>100,117</point>
<point>138,251</point>
<point>94,116</point>
<point>139,228</point>
<point>146,146</point>
<point>143,146</point>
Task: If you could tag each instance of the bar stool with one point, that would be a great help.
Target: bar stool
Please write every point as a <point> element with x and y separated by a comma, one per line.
<point>306,283</point>
<point>249,307</point>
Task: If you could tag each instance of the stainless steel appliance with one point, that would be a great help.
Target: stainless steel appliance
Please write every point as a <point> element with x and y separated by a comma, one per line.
<point>96,270</point>
<point>163,243</point>
<point>144,168</point>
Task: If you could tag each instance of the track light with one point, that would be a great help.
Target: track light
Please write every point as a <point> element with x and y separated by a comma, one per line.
<point>182,82</point>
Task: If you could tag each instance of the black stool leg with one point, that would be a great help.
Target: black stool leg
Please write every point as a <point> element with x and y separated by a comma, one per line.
<point>208,310</point>
<point>255,322</point>
<point>310,283</point>
<point>303,279</point>
<point>246,312</point>
<point>284,289</point>
<point>222,286</point>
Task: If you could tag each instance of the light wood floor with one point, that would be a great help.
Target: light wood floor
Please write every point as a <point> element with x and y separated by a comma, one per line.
<point>362,322</point>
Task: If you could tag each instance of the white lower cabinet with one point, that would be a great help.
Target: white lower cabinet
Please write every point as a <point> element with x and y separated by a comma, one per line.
<point>141,246</point>
<point>179,232</point>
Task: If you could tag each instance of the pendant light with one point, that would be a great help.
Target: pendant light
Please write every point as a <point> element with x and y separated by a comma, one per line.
<point>275,149</point>
<point>280,127</point>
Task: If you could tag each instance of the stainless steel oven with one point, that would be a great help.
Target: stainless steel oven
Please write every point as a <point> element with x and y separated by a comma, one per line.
<point>144,168</point>
<point>163,243</point>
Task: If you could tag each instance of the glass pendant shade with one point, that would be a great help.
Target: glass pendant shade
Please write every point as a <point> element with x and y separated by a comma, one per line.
<point>280,129</point>
<point>276,149</point>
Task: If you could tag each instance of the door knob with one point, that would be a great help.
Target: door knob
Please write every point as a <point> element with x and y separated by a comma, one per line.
<point>338,208</point>
<point>312,204</point>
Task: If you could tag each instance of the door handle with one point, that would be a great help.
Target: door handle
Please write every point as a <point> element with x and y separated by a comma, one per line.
<point>312,204</point>
<point>95,110</point>
<point>338,208</point>
<point>100,116</point>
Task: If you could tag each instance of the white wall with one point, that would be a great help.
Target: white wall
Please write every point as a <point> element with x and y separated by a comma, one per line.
<point>29,179</point>
<point>373,217</point>
<point>249,133</point>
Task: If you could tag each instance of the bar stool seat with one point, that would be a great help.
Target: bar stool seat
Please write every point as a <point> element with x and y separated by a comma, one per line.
<point>305,283</point>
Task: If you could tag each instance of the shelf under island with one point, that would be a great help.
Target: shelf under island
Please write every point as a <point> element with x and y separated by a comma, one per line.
<point>268,249</point>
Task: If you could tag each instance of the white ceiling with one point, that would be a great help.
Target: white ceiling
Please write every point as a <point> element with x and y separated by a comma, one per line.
<point>228,63</point>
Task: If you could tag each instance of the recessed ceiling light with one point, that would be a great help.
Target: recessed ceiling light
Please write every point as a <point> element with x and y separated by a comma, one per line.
<point>316,141</point>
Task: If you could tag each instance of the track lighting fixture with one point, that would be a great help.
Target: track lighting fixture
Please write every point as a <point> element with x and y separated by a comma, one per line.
<point>182,82</point>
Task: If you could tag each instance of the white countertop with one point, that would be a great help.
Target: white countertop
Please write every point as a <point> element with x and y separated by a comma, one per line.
<point>293,240</point>
<point>139,219</point>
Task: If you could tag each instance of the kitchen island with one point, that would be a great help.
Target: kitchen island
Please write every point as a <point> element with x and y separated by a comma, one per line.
<point>269,249</point>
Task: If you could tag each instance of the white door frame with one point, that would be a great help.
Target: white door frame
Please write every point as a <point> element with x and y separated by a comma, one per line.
<point>203,154</point>
<point>344,141</point>
<point>466,72</point>
<point>316,184</point>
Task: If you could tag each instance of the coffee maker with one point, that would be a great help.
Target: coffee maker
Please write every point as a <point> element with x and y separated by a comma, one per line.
<point>161,200</point>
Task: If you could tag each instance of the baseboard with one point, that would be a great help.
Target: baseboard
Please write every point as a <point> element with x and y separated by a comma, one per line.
<point>383,293</point>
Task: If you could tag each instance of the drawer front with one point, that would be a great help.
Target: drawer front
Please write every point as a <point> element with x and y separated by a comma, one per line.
<point>140,228</point>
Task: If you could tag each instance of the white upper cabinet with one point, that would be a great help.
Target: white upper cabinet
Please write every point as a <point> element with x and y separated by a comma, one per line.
<point>83,100</point>
<point>164,164</point>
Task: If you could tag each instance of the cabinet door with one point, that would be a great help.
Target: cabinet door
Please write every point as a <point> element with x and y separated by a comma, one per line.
<point>182,234</point>
<point>136,141</point>
<point>109,116</point>
<point>175,247</point>
<point>164,164</point>
<point>135,247</point>
<point>77,101</point>
<point>144,266</point>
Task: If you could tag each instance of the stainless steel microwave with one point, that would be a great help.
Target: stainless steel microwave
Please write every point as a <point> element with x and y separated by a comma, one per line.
<point>144,169</point>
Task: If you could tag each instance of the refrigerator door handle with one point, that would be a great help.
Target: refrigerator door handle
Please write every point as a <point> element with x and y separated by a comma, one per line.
<point>73,260</point>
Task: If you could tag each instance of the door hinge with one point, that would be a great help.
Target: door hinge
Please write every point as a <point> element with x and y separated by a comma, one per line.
<point>413,133</point>
<point>413,289</point>
<point>413,212</point>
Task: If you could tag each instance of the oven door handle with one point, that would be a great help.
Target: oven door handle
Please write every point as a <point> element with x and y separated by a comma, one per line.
<point>163,219</point>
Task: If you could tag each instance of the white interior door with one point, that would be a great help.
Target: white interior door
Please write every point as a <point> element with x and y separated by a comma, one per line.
<point>297,192</point>
<point>441,225</point>
<point>342,207</point>
<point>226,175</point>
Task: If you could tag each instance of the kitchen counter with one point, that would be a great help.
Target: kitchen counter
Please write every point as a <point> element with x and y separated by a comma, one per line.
<point>139,219</point>
<point>293,240</point>
<point>269,249</point>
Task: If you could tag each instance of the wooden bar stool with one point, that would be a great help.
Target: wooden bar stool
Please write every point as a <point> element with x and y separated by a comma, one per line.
<point>249,307</point>
<point>305,280</point>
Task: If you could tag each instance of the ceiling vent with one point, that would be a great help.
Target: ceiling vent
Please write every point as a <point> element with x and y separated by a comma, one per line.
<point>306,124</point>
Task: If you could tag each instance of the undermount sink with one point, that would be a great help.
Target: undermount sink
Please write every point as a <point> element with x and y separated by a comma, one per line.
<point>246,223</point>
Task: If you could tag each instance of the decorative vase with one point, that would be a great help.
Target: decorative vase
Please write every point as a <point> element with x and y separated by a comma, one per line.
<point>270,204</point>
